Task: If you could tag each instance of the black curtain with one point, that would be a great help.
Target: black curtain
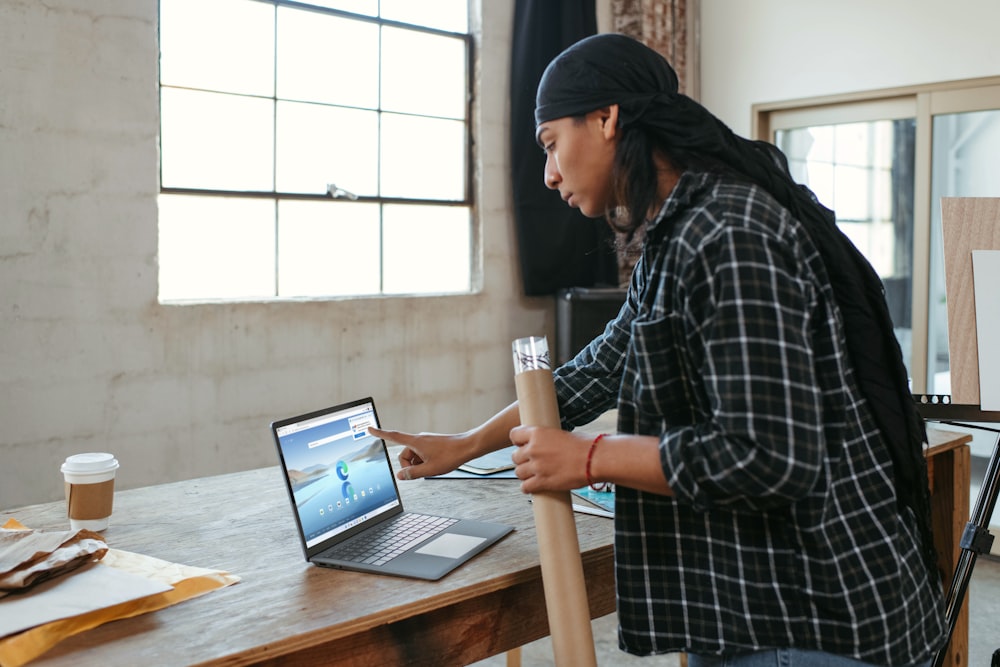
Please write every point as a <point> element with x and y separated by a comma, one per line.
<point>558,246</point>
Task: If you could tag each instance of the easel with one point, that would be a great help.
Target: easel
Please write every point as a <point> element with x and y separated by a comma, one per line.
<point>976,538</point>
<point>969,224</point>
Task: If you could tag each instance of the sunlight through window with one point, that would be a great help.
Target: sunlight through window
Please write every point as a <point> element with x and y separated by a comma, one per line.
<point>314,150</point>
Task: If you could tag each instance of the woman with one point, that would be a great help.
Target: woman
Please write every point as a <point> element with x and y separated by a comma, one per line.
<point>772,503</point>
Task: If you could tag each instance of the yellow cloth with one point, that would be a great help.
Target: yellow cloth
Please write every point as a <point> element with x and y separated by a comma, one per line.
<point>187,582</point>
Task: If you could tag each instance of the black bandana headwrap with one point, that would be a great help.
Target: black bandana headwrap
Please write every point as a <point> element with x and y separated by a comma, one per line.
<point>599,71</point>
<point>614,69</point>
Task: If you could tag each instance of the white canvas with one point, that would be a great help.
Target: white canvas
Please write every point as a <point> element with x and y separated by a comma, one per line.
<point>986,278</point>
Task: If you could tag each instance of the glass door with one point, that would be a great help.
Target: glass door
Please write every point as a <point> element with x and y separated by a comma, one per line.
<point>883,160</point>
<point>864,172</point>
<point>965,162</point>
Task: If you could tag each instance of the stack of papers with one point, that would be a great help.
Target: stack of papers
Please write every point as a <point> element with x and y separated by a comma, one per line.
<point>491,463</point>
<point>119,585</point>
<point>30,557</point>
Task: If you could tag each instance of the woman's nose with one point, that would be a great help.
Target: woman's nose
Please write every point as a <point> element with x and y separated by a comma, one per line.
<point>551,176</point>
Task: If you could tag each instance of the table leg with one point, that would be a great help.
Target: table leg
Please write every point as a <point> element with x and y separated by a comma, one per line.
<point>949,473</point>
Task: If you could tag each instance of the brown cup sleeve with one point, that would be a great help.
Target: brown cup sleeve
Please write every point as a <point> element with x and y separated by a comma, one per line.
<point>85,502</point>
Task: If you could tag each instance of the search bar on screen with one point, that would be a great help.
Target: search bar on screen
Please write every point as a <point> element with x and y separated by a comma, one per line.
<point>327,440</point>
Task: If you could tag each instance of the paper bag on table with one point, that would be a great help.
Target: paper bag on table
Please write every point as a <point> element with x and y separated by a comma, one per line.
<point>181,582</point>
<point>29,557</point>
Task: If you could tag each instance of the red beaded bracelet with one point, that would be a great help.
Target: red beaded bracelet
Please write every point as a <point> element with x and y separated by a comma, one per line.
<point>590,454</point>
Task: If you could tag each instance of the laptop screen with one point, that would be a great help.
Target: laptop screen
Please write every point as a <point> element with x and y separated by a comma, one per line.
<point>339,475</point>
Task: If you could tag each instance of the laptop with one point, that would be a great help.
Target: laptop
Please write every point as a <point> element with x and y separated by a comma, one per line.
<point>347,506</point>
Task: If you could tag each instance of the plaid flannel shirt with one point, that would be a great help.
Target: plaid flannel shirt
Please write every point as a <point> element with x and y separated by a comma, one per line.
<point>783,530</point>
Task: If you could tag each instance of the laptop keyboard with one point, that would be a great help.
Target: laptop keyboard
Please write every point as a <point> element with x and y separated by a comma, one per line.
<point>381,544</point>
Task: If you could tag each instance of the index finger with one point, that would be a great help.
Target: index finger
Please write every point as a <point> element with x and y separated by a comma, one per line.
<point>394,436</point>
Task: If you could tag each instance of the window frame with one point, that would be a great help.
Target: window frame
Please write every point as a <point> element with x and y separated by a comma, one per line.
<point>921,102</point>
<point>469,185</point>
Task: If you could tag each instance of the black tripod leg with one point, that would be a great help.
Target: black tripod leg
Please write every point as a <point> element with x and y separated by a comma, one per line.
<point>976,539</point>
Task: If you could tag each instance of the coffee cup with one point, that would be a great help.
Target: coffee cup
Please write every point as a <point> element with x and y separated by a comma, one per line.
<point>90,489</point>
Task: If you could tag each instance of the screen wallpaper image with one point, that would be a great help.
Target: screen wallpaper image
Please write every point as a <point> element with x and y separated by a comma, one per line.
<point>339,475</point>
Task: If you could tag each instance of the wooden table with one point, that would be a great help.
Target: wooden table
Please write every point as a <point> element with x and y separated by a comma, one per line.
<point>285,611</point>
<point>948,470</point>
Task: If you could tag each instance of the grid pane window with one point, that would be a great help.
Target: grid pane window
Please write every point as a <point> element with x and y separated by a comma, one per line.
<point>216,141</point>
<point>407,141</point>
<point>319,145</point>
<point>365,7</point>
<point>850,169</point>
<point>215,248</point>
<point>422,74</point>
<point>304,144</point>
<point>203,50</point>
<point>327,59</point>
<point>863,171</point>
<point>320,256</point>
<point>450,15</point>
<point>413,264</point>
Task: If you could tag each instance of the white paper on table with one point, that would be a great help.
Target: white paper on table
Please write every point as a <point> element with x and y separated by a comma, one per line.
<point>986,278</point>
<point>91,587</point>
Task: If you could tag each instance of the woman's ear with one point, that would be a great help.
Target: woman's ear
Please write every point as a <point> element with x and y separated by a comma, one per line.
<point>609,118</point>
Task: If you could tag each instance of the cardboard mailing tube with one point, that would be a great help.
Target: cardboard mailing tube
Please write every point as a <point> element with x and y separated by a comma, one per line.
<point>558,546</point>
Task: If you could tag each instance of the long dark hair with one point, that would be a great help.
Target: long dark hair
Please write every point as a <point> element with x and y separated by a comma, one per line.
<point>635,176</point>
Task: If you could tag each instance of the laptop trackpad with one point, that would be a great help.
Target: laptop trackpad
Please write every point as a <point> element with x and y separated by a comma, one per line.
<point>450,545</point>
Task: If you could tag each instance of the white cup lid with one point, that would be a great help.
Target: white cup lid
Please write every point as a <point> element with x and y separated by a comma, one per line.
<point>91,462</point>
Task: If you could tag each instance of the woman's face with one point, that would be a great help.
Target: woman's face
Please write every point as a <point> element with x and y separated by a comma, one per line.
<point>579,154</point>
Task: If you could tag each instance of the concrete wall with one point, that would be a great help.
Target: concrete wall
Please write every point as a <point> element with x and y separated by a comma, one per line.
<point>89,361</point>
